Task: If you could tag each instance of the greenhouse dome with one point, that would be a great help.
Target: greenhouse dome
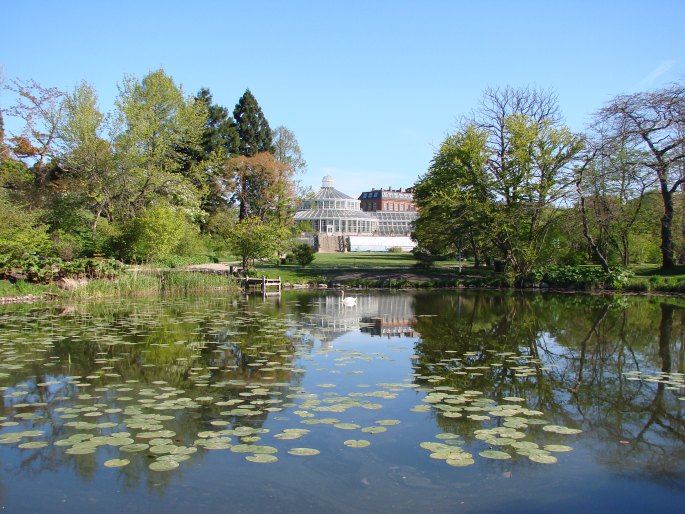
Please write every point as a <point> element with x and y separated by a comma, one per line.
<point>332,212</point>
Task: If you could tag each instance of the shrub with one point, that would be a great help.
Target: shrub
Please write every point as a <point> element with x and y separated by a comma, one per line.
<point>67,246</point>
<point>21,233</point>
<point>46,269</point>
<point>637,285</point>
<point>303,254</point>
<point>154,234</point>
<point>583,277</point>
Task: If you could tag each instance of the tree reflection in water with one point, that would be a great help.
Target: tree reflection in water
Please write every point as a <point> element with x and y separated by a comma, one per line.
<point>586,352</point>
<point>610,365</point>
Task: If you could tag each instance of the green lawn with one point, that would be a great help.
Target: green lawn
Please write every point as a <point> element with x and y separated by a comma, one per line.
<point>328,267</point>
<point>363,259</point>
<point>654,270</point>
<point>370,260</point>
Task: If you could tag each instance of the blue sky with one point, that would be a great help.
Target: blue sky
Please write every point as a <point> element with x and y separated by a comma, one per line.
<point>370,88</point>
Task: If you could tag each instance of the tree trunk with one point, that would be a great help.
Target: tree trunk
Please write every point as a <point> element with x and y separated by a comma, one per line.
<point>596,251</point>
<point>591,242</point>
<point>474,249</point>
<point>95,222</point>
<point>667,247</point>
<point>681,251</point>
<point>242,213</point>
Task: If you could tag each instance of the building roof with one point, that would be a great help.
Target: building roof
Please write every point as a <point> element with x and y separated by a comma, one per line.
<point>328,192</point>
<point>395,215</point>
<point>333,214</point>
<point>391,194</point>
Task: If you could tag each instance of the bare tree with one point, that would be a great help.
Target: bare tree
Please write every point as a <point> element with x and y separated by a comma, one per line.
<point>611,185</point>
<point>41,109</point>
<point>652,123</point>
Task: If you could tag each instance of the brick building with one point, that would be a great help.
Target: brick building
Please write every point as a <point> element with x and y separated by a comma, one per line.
<point>394,208</point>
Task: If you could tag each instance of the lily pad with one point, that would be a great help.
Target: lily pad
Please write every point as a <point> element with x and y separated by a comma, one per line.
<point>357,443</point>
<point>461,460</point>
<point>261,458</point>
<point>543,459</point>
<point>557,448</point>
<point>303,452</point>
<point>347,426</point>
<point>557,429</point>
<point>495,454</point>
<point>374,430</point>
<point>163,465</point>
<point>388,422</point>
<point>117,463</point>
<point>135,447</point>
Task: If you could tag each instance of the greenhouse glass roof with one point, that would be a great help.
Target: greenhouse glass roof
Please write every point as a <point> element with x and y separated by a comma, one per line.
<point>396,215</point>
<point>333,214</point>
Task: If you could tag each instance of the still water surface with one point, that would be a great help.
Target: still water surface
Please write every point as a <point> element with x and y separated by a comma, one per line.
<point>407,402</point>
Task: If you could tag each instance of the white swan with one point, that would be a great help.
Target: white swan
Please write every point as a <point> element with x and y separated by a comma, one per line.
<point>349,301</point>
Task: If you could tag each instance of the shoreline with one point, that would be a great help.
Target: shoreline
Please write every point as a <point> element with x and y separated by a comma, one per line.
<point>337,285</point>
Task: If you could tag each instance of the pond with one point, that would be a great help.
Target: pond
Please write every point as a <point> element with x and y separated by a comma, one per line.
<point>440,401</point>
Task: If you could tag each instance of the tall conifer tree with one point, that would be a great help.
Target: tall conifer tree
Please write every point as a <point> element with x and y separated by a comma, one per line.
<point>253,129</point>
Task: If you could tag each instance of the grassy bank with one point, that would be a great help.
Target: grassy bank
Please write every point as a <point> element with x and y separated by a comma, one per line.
<point>373,270</point>
<point>131,283</point>
<point>365,270</point>
<point>651,278</point>
<point>402,270</point>
<point>23,289</point>
<point>154,282</point>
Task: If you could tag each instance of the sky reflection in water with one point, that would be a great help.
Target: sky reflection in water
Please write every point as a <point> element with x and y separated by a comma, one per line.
<point>424,401</point>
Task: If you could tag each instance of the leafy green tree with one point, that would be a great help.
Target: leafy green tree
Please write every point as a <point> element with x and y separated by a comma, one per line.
<point>255,135</point>
<point>252,238</point>
<point>219,137</point>
<point>453,198</point>
<point>158,126</point>
<point>287,150</point>
<point>540,159</point>
<point>502,174</point>
<point>87,157</point>
<point>70,224</point>
<point>15,176</point>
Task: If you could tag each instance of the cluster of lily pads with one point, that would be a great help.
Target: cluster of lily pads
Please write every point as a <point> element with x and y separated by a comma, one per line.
<point>238,371</point>
<point>511,421</point>
<point>674,381</point>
